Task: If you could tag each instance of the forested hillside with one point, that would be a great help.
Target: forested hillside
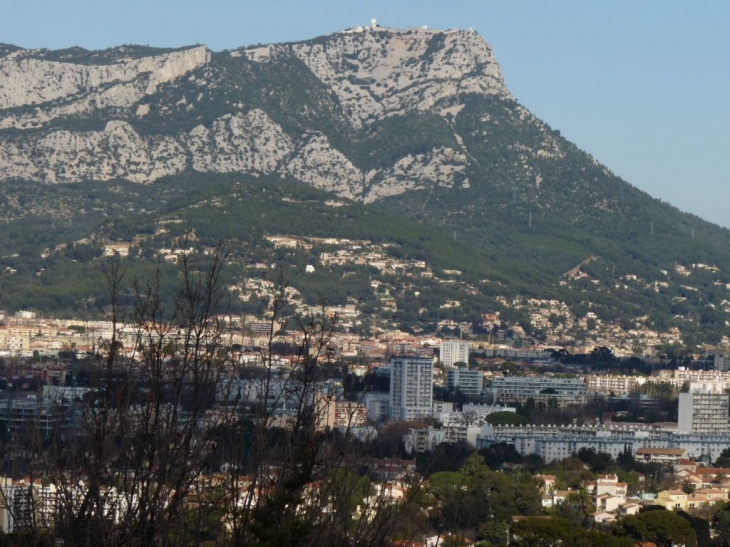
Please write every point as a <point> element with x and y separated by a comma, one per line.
<point>407,139</point>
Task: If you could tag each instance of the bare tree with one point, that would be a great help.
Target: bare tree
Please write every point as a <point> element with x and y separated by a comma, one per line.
<point>176,444</point>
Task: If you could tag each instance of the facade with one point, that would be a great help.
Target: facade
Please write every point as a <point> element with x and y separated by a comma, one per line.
<point>555,443</point>
<point>454,351</point>
<point>411,387</point>
<point>422,440</point>
<point>541,389</point>
<point>722,363</point>
<point>378,406</point>
<point>704,413</point>
<point>610,485</point>
<point>677,500</point>
<point>333,414</point>
<point>613,385</point>
<point>25,505</point>
<point>20,411</point>
<point>469,382</point>
<point>665,456</point>
<point>479,412</point>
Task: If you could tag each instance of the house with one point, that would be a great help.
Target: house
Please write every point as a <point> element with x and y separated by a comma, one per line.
<point>702,477</point>
<point>677,499</point>
<point>121,249</point>
<point>608,503</point>
<point>548,483</point>
<point>629,509</point>
<point>695,480</point>
<point>672,499</point>
<point>602,517</point>
<point>559,496</point>
<point>707,496</point>
<point>609,484</point>
<point>684,464</point>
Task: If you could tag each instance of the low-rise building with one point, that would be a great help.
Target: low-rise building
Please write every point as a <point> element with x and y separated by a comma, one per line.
<point>665,456</point>
<point>423,439</point>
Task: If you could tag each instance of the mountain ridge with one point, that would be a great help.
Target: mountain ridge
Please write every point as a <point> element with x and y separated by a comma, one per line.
<point>406,69</point>
<point>417,124</point>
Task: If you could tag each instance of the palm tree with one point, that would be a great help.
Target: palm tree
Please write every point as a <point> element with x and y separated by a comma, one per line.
<point>581,499</point>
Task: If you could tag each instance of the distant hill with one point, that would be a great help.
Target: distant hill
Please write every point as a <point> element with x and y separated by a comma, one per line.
<point>408,139</point>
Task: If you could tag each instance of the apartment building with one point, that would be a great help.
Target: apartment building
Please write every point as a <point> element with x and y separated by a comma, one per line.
<point>423,440</point>
<point>704,412</point>
<point>469,382</point>
<point>454,351</point>
<point>541,389</point>
<point>378,406</point>
<point>333,414</point>
<point>613,385</point>
<point>411,387</point>
<point>722,363</point>
<point>554,443</point>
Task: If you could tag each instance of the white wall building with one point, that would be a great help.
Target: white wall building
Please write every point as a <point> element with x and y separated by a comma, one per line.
<point>469,382</point>
<point>454,351</point>
<point>541,389</point>
<point>378,406</point>
<point>703,412</point>
<point>411,387</point>
<point>553,443</point>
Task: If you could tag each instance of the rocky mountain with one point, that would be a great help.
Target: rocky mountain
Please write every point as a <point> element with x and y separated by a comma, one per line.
<point>414,125</point>
<point>365,76</point>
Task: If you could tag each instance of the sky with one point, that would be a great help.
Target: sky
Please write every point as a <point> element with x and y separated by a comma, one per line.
<point>642,86</point>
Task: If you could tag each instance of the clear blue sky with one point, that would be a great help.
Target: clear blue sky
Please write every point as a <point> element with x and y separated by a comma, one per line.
<point>643,86</point>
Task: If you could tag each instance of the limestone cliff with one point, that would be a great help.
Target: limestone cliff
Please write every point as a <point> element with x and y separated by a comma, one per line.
<point>68,117</point>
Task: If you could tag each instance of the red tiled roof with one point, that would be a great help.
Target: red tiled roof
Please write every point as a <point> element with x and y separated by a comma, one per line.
<point>712,471</point>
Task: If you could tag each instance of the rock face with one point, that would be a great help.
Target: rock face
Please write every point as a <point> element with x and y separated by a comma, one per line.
<point>377,72</point>
<point>239,143</point>
<point>63,88</point>
<point>78,116</point>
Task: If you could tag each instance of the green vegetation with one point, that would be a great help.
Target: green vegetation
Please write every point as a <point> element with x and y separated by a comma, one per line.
<point>534,208</point>
<point>546,532</point>
<point>664,528</point>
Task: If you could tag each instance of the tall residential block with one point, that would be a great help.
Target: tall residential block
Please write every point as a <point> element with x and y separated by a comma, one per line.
<point>411,387</point>
<point>722,363</point>
<point>704,413</point>
<point>454,351</point>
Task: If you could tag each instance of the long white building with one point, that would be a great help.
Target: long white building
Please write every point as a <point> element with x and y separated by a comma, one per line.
<point>469,382</point>
<point>541,389</point>
<point>555,443</point>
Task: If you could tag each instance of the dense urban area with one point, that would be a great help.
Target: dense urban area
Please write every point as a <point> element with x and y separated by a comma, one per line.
<point>343,292</point>
<point>169,419</point>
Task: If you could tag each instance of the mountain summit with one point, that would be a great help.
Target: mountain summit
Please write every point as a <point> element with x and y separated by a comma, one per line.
<point>356,78</point>
<point>405,136</point>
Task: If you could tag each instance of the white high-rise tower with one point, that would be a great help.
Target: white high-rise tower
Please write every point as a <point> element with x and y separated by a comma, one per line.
<point>454,351</point>
<point>411,387</point>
